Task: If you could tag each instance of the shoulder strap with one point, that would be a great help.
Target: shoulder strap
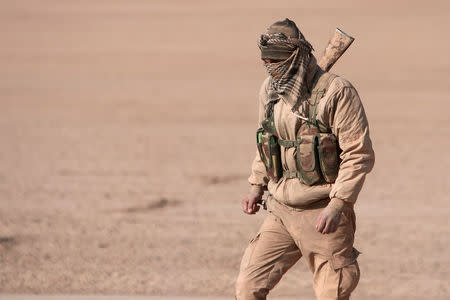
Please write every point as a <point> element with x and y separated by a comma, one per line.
<point>268,123</point>
<point>318,91</point>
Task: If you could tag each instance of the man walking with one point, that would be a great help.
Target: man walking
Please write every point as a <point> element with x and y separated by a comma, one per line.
<point>314,152</point>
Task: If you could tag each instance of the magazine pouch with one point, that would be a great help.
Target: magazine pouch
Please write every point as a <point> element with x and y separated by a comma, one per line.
<point>307,159</point>
<point>328,150</point>
<point>269,151</point>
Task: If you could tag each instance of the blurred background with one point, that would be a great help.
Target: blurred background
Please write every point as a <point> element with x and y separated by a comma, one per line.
<point>127,133</point>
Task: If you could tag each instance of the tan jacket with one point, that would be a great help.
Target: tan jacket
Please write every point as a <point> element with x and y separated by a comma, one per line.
<point>342,111</point>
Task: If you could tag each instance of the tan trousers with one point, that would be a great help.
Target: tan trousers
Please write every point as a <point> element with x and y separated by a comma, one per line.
<point>286,235</point>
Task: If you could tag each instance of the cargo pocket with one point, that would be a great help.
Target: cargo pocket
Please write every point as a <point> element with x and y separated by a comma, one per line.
<point>247,257</point>
<point>349,273</point>
<point>340,260</point>
<point>328,150</point>
<point>307,159</point>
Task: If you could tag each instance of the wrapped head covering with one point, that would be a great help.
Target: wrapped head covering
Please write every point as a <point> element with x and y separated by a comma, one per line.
<point>284,41</point>
<point>285,29</point>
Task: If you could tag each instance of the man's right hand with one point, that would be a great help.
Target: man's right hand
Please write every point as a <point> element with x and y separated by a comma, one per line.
<point>250,203</point>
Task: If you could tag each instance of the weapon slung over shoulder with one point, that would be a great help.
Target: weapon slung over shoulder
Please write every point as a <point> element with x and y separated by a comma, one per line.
<point>337,45</point>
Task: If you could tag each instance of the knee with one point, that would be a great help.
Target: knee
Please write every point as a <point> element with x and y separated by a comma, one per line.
<point>349,278</point>
<point>248,289</point>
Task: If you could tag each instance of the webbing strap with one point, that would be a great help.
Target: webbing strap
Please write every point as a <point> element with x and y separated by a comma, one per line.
<point>289,174</point>
<point>269,123</point>
<point>288,143</point>
<point>319,90</point>
<point>321,82</point>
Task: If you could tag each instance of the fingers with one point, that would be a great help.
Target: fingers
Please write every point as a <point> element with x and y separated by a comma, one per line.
<point>253,207</point>
<point>320,223</point>
<point>245,204</point>
<point>250,206</point>
<point>327,225</point>
<point>333,226</point>
<point>334,223</point>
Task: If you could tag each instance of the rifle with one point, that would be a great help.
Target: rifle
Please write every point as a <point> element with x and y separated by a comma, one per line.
<point>337,45</point>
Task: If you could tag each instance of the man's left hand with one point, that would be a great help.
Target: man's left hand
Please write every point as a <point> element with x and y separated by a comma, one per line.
<point>329,218</point>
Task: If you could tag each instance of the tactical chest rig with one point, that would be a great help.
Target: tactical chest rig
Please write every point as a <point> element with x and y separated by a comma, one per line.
<point>317,151</point>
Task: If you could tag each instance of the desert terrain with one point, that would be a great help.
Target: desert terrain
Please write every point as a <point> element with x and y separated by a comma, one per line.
<point>127,133</point>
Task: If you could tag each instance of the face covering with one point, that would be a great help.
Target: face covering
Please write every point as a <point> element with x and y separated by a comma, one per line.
<point>288,77</point>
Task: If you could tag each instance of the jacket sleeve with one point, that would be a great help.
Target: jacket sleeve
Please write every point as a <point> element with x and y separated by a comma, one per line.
<point>349,124</point>
<point>258,177</point>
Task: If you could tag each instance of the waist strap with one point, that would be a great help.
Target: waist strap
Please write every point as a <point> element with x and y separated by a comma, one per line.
<point>288,143</point>
<point>289,174</point>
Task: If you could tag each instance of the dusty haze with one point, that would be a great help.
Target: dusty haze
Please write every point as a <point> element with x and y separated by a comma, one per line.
<point>127,133</point>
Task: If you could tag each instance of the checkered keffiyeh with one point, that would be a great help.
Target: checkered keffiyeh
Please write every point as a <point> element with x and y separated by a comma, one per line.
<point>288,76</point>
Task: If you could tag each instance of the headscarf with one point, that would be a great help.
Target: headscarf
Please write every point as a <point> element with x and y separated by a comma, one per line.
<point>288,77</point>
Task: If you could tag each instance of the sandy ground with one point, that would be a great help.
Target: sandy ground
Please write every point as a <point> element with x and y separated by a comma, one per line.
<point>108,297</point>
<point>127,133</point>
<point>111,297</point>
<point>118,297</point>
